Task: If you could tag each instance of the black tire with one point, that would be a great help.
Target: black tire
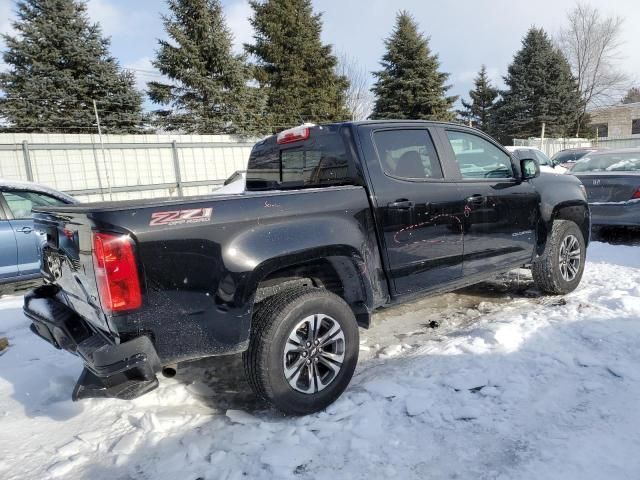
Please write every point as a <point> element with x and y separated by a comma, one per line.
<point>547,269</point>
<point>272,326</point>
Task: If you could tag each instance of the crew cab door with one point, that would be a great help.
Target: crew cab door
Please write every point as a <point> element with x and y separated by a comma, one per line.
<point>501,211</point>
<point>416,209</point>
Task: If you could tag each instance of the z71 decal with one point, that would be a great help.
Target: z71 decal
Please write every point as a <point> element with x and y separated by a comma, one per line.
<point>180,217</point>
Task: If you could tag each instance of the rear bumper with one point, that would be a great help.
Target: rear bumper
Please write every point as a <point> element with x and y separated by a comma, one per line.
<point>620,214</point>
<point>112,370</point>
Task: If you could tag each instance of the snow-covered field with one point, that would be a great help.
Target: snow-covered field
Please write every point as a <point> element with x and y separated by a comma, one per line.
<point>509,386</point>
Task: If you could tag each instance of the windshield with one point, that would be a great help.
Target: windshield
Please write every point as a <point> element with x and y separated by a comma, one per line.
<point>542,158</point>
<point>612,162</point>
<point>563,157</point>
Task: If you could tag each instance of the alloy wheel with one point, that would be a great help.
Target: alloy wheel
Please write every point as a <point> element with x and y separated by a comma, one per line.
<point>569,258</point>
<point>314,353</point>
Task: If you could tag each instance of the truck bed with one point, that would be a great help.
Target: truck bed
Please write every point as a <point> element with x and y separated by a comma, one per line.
<point>116,205</point>
<point>199,258</point>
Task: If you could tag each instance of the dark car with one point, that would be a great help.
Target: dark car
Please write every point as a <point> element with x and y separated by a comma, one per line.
<point>612,180</point>
<point>19,253</point>
<point>336,221</point>
<point>568,157</point>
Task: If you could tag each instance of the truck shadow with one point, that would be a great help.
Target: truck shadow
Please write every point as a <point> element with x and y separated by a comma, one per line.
<point>617,235</point>
<point>220,383</point>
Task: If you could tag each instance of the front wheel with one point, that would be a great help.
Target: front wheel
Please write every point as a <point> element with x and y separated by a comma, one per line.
<point>303,350</point>
<point>559,269</point>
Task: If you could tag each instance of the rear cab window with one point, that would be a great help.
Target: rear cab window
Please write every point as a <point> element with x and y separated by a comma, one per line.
<point>323,159</point>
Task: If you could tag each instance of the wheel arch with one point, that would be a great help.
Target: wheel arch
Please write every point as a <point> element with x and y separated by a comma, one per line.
<point>344,273</point>
<point>575,211</point>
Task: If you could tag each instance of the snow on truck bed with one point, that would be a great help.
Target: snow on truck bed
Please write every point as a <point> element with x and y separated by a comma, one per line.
<point>510,385</point>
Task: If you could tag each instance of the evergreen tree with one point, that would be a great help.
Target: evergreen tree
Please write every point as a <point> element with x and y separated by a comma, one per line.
<point>294,68</point>
<point>479,110</point>
<point>209,91</point>
<point>58,63</point>
<point>632,96</point>
<point>540,88</point>
<point>410,84</point>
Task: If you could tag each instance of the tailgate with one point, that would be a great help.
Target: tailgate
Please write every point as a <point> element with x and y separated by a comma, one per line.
<point>610,187</point>
<point>67,261</point>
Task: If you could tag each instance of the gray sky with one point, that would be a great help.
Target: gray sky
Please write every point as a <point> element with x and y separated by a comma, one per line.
<point>465,33</point>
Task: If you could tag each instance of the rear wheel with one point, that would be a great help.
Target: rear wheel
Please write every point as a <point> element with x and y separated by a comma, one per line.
<point>303,350</point>
<point>559,269</point>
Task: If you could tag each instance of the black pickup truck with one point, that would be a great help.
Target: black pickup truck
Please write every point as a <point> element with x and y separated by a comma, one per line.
<point>337,221</point>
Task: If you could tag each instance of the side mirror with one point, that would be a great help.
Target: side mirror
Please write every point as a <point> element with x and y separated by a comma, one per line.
<point>529,168</point>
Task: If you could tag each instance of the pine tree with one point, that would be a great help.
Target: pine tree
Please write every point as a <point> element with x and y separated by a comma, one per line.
<point>58,63</point>
<point>410,84</point>
<point>208,90</point>
<point>632,96</point>
<point>294,68</point>
<point>540,88</point>
<point>479,110</point>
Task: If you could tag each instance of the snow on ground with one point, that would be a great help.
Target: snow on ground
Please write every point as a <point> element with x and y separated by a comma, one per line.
<point>510,385</point>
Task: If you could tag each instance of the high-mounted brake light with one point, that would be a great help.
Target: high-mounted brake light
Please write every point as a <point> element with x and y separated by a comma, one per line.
<point>295,134</point>
<point>636,194</point>
<point>116,272</point>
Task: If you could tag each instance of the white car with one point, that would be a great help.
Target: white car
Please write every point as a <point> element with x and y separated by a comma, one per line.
<point>546,165</point>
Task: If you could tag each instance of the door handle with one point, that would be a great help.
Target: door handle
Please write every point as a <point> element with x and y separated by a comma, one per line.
<point>26,230</point>
<point>476,199</point>
<point>402,204</point>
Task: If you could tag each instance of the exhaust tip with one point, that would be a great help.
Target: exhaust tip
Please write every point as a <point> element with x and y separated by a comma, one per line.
<point>170,371</point>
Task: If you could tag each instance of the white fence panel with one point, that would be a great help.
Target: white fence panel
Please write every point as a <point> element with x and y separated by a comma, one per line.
<point>126,166</point>
<point>12,166</point>
<point>616,142</point>
<point>551,146</point>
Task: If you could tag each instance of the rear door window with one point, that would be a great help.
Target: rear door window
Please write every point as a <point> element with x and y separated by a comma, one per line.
<point>407,154</point>
<point>21,203</point>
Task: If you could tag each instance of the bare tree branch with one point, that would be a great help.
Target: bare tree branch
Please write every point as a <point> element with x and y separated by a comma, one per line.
<point>359,98</point>
<point>591,43</point>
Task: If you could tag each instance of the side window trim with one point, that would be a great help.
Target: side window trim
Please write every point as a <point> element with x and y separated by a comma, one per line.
<point>430,136</point>
<point>457,166</point>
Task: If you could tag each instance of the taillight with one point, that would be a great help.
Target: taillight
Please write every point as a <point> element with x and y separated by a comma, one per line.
<point>636,194</point>
<point>296,134</point>
<point>116,272</point>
